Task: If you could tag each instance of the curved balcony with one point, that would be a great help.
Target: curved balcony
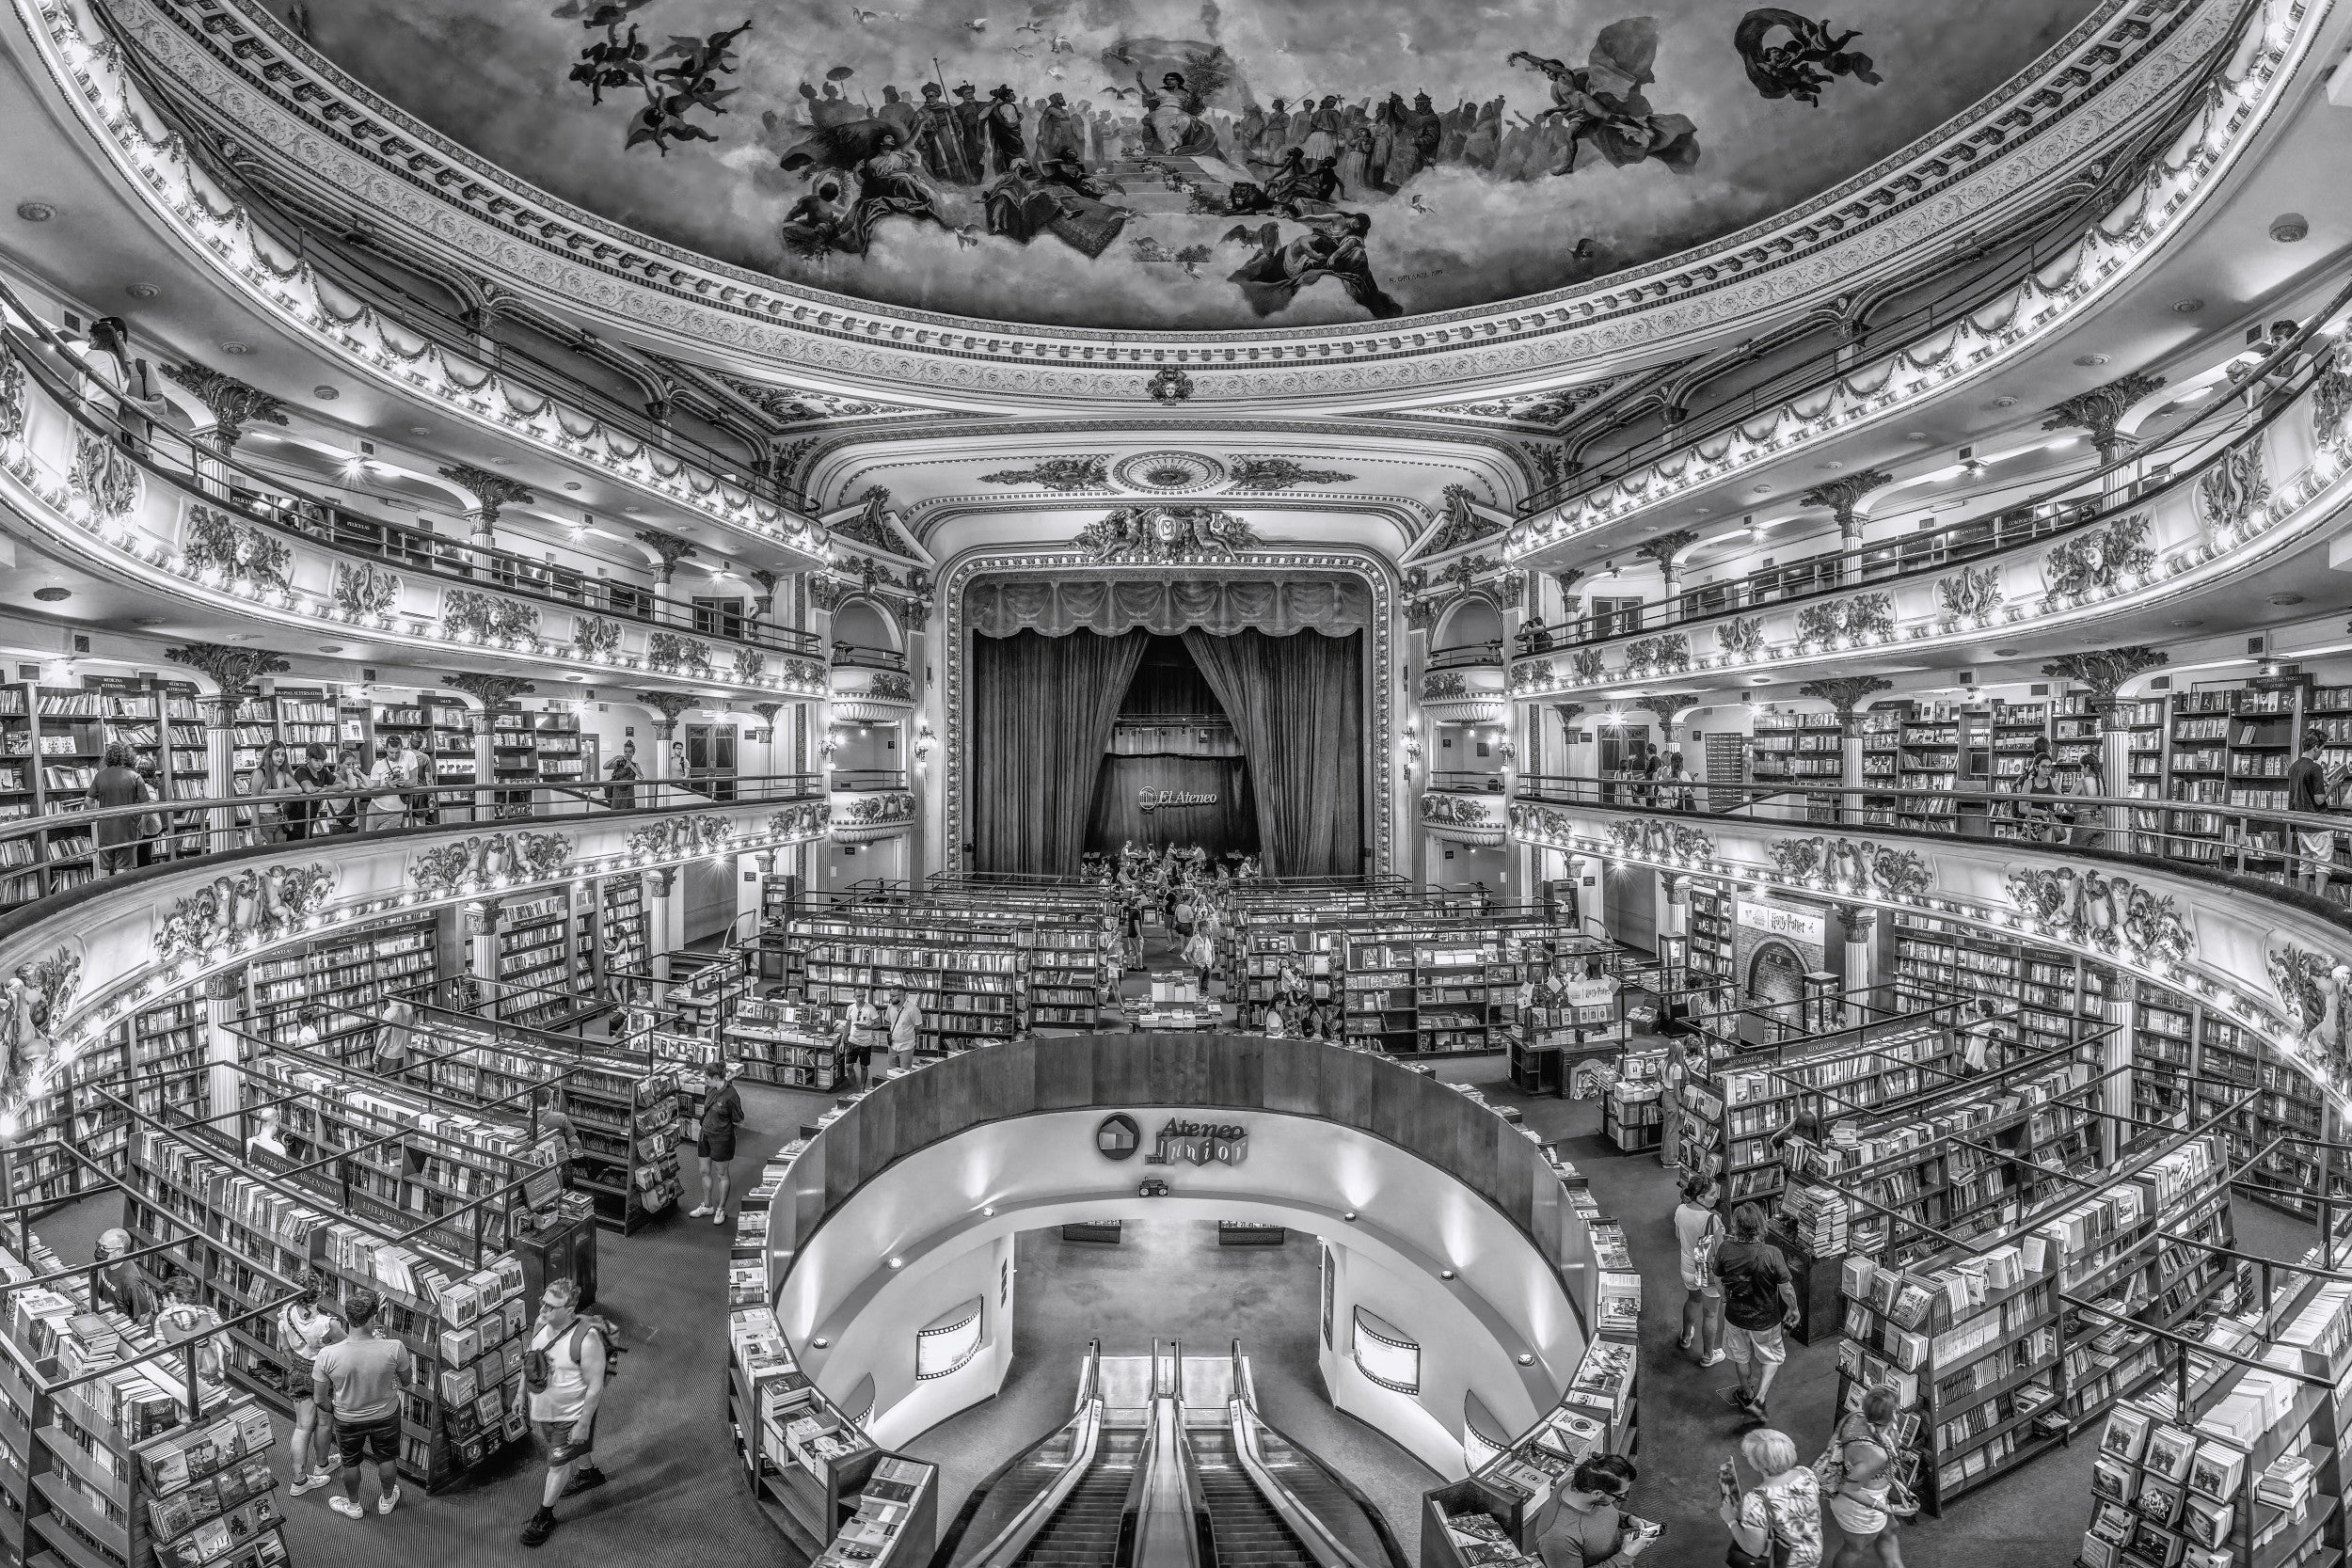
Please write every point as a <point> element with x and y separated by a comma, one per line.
<point>1464,686</point>
<point>2238,504</point>
<point>2131,884</point>
<point>2055,291</point>
<point>869,804</point>
<point>871,686</point>
<point>97,944</point>
<point>148,506</point>
<point>1465,808</point>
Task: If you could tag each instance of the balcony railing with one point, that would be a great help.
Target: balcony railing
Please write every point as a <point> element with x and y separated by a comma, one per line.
<point>862,778</point>
<point>45,857</point>
<point>1469,657</point>
<point>1467,781</point>
<point>849,656</point>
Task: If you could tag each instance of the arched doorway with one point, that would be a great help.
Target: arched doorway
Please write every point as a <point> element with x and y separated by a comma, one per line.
<point>1777,974</point>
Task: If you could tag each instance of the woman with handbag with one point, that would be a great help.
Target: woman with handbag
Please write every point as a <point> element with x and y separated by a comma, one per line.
<point>1777,1522</point>
<point>1857,1475</point>
<point>1698,1231</point>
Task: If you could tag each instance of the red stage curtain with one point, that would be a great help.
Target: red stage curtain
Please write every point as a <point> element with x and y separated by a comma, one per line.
<point>1041,714</point>
<point>1297,703</point>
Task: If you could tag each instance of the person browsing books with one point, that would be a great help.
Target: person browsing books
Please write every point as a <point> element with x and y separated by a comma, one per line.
<point>305,1327</point>
<point>117,1283</point>
<point>723,1112</point>
<point>1589,1526</point>
<point>359,1380</point>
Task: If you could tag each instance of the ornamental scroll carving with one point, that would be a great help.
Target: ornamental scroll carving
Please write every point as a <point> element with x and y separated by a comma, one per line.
<point>1164,534</point>
<point>2233,489</point>
<point>2331,404</point>
<point>366,591</point>
<point>1865,615</point>
<point>521,856</point>
<point>2099,560</point>
<point>1742,637</point>
<point>1972,594</point>
<point>1669,653</point>
<point>680,837</point>
<point>1659,841</point>
<point>595,638</point>
<point>2088,909</point>
<point>238,550</point>
<point>260,902</point>
<point>486,616</point>
<point>103,472</point>
<point>1852,865</point>
<point>2313,988</point>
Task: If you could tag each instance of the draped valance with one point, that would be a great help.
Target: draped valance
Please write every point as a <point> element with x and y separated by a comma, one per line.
<point>1060,605</point>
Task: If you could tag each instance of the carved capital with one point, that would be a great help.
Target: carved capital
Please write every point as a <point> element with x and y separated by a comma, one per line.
<point>669,705</point>
<point>490,490</point>
<point>669,547</point>
<point>2105,670</point>
<point>1841,495</point>
<point>491,691</point>
<point>2101,408</point>
<point>233,404</point>
<point>1666,547</point>
<point>1843,692</point>
<point>234,669</point>
<point>1666,704</point>
<point>659,884</point>
<point>768,712</point>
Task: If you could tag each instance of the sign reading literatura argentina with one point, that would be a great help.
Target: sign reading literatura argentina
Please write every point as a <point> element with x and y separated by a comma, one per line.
<point>1153,799</point>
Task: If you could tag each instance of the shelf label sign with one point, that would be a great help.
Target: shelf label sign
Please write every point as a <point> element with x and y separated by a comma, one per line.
<point>1773,920</point>
<point>1159,799</point>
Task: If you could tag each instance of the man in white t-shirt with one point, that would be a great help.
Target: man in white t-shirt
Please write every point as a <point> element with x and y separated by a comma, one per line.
<point>386,806</point>
<point>564,1369</point>
<point>906,1018</point>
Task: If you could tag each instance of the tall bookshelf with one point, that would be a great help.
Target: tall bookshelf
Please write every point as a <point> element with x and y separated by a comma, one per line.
<point>2192,1060</point>
<point>1879,734</point>
<point>1797,750</point>
<point>347,974</point>
<point>1066,973</point>
<point>2051,996</point>
<point>1708,914</point>
<point>778,1040</point>
<point>1927,751</point>
<point>463,1322</point>
<point>1990,1366</point>
<point>970,981</point>
<point>435,724</point>
<point>622,949</point>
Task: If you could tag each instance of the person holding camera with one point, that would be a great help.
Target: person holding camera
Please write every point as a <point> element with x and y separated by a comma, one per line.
<point>1590,1525</point>
<point>1777,1522</point>
<point>305,1327</point>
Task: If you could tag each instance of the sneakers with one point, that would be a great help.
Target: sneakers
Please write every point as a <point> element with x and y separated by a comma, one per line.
<point>1714,1358</point>
<point>718,1216</point>
<point>345,1506</point>
<point>698,1213</point>
<point>584,1480</point>
<point>541,1525</point>
<point>1686,1342</point>
<point>310,1484</point>
<point>389,1501</point>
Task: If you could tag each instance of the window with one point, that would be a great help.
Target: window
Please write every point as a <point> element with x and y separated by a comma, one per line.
<point>1615,617</point>
<point>719,617</point>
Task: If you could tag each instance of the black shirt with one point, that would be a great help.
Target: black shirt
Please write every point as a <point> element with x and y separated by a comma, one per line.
<point>1753,1273</point>
<point>2307,787</point>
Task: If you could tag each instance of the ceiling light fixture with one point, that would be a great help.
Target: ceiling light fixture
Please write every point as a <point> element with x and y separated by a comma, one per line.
<point>35,212</point>
<point>2090,359</point>
<point>142,290</point>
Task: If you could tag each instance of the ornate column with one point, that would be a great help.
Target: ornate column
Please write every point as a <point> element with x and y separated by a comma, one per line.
<point>233,671</point>
<point>1844,693</point>
<point>764,605</point>
<point>490,491</point>
<point>2105,671</point>
<point>669,705</point>
<point>493,692</point>
<point>670,549</point>
<point>224,1048</point>
<point>233,405</point>
<point>665,919</point>
<point>482,951</point>
<point>1841,496</point>
<point>2101,409</point>
<point>1859,924</point>
<point>1663,550</point>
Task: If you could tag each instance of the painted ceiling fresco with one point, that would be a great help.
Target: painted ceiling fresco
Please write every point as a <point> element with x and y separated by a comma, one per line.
<point>1184,165</point>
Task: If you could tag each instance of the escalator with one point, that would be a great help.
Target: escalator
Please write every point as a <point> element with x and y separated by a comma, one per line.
<point>1082,1532</point>
<point>1245,1527</point>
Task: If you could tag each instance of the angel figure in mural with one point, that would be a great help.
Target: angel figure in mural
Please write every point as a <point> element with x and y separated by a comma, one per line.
<point>1332,246</point>
<point>1803,65</point>
<point>1601,102</point>
<point>860,173</point>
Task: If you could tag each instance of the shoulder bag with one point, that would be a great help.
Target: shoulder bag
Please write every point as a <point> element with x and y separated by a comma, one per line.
<point>1775,1555</point>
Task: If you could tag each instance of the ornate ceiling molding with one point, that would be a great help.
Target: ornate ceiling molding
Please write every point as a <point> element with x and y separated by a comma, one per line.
<point>238,66</point>
<point>1270,559</point>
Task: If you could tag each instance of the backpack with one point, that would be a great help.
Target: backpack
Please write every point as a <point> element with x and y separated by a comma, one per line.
<point>537,1369</point>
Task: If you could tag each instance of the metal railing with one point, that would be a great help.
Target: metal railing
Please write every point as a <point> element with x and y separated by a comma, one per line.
<point>849,656</point>
<point>2257,846</point>
<point>1476,779</point>
<point>866,778</point>
<point>220,479</point>
<point>1469,657</point>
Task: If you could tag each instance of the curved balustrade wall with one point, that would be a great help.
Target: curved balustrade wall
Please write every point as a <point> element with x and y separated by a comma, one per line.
<point>156,514</point>
<point>2270,41</point>
<point>137,938</point>
<point>2268,489</point>
<point>2279,961</point>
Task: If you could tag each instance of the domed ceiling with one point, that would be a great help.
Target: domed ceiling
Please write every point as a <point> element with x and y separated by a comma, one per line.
<point>1183,165</point>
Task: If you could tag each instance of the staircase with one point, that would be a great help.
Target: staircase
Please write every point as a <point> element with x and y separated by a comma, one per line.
<point>1248,1533</point>
<point>1084,1531</point>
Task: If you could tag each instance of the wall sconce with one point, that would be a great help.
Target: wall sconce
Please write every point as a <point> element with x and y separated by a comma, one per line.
<point>1408,744</point>
<point>924,740</point>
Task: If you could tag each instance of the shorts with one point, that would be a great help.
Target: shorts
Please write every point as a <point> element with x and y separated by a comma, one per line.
<point>1699,1283</point>
<point>717,1151</point>
<point>378,1439</point>
<point>1761,1345</point>
<point>1858,1519</point>
<point>556,1435</point>
<point>2320,847</point>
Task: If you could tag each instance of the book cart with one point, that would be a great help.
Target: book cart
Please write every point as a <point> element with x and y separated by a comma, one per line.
<point>452,1288</point>
<point>116,1448</point>
<point>1985,1342</point>
<point>2236,1458</point>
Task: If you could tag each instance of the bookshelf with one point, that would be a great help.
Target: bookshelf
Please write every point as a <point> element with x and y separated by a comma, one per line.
<point>546,961</point>
<point>1707,925</point>
<point>2051,996</point>
<point>1631,1112</point>
<point>2188,1059</point>
<point>1988,1365</point>
<point>1879,744</point>
<point>969,979</point>
<point>1066,973</point>
<point>1927,758</point>
<point>433,724</point>
<point>783,1041</point>
<point>1799,749</point>
<point>622,948</point>
<point>347,974</point>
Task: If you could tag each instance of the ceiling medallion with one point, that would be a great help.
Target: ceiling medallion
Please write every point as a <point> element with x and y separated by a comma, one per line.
<point>1170,473</point>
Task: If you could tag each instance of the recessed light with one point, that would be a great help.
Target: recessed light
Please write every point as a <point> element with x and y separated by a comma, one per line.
<point>1833,463</point>
<point>1702,511</point>
<point>1917,435</point>
<point>419,430</point>
<point>2281,600</point>
<point>52,596</point>
<point>2187,306</point>
<point>503,462</point>
<point>634,510</point>
<point>331,647</point>
<point>1761,489</point>
<point>575,677</point>
<point>2184,625</point>
<point>324,393</point>
<point>2286,227</point>
<point>235,348</point>
<point>35,212</point>
<point>571,484</point>
<point>2005,653</point>
<point>2090,359</point>
<point>147,621</point>
<point>1759,680</point>
<point>2003,401</point>
<point>245,637</point>
<point>142,290</point>
<point>897,1262</point>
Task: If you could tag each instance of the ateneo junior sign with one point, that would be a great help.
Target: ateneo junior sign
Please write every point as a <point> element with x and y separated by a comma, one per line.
<point>1191,1142</point>
<point>1155,800</point>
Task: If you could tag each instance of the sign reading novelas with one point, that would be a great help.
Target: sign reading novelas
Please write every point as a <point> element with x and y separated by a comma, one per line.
<point>1153,799</point>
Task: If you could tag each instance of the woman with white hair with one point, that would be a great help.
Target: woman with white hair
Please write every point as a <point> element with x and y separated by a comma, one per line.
<point>1776,1523</point>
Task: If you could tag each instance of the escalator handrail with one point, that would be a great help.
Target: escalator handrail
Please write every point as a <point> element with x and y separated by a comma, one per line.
<point>1313,1533</point>
<point>1011,1543</point>
<point>1160,1497</point>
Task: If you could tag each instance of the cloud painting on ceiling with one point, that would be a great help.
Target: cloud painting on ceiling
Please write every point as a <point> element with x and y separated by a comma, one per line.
<point>1184,164</point>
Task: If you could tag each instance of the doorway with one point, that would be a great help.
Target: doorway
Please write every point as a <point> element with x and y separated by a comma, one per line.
<point>711,760</point>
